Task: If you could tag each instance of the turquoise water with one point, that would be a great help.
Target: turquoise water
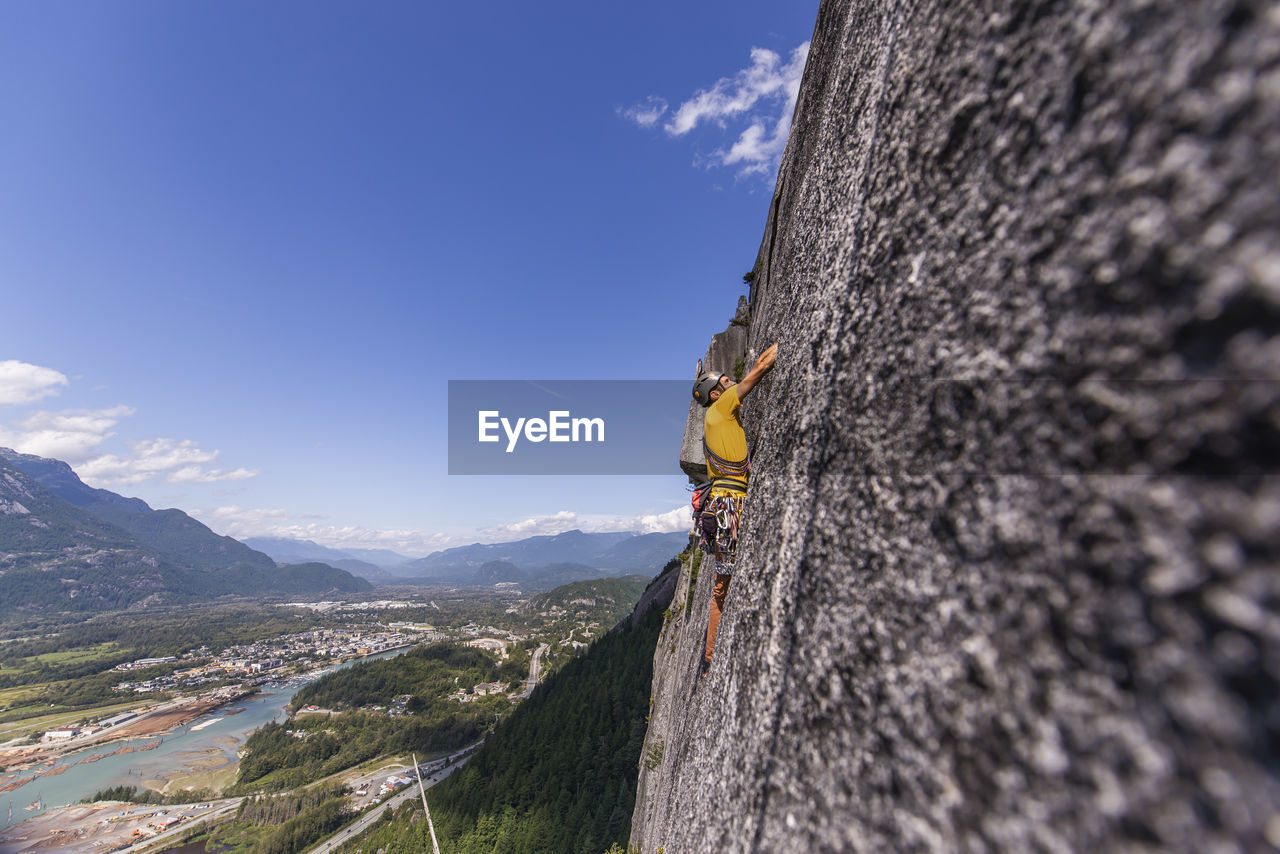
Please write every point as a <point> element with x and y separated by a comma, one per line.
<point>228,732</point>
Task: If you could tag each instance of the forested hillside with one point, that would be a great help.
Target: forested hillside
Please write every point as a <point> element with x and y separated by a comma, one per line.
<point>393,706</point>
<point>560,774</point>
<point>170,532</point>
<point>425,673</point>
<point>57,556</point>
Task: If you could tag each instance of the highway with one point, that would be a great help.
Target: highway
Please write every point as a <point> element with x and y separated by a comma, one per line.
<point>458,759</point>
<point>535,670</point>
<point>433,772</point>
<point>194,816</point>
<point>365,821</point>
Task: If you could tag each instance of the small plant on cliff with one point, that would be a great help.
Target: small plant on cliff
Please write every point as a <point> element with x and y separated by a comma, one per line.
<point>653,754</point>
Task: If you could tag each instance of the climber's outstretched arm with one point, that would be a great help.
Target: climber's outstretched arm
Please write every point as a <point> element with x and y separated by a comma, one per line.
<point>762,366</point>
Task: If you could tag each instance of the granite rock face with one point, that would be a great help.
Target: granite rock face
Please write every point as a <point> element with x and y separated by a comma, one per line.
<point>1008,576</point>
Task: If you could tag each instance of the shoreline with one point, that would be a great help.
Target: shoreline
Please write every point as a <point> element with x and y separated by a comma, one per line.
<point>157,722</point>
<point>174,713</point>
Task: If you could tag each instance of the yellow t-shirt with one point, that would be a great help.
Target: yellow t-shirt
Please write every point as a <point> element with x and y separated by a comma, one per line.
<point>725,436</point>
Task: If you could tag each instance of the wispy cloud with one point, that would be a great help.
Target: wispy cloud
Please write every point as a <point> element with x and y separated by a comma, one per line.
<point>646,113</point>
<point>178,461</point>
<point>21,382</point>
<point>244,516</point>
<point>76,436</point>
<point>195,474</point>
<point>761,96</point>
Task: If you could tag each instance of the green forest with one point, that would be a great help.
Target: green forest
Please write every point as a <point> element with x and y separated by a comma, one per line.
<point>426,673</point>
<point>559,775</point>
<point>278,824</point>
<point>309,747</point>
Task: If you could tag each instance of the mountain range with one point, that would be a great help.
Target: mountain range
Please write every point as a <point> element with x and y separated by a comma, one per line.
<point>374,564</point>
<point>66,546</point>
<point>543,562</point>
<point>535,563</point>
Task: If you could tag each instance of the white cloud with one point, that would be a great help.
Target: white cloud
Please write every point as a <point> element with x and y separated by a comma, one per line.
<point>556,523</point>
<point>75,436</point>
<point>70,435</point>
<point>243,522</point>
<point>243,516</point>
<point>756,150</point>
<point>24,383</point>
<point>647,112</point>
<point>179,461</point>
<point>762,95</point>
<point>679,519</point>
<point>194,474</point>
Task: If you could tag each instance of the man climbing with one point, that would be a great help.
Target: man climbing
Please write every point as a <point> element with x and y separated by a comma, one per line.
<point>729,465</point>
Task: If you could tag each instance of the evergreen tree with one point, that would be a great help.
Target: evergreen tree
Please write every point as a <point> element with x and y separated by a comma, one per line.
<point>557,775</point>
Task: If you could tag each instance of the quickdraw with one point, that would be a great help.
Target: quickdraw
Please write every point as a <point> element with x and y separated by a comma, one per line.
<point>727,510</point>
<point>717,518</point>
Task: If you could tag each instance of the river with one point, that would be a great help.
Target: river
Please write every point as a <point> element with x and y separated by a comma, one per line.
<point>212,740</point>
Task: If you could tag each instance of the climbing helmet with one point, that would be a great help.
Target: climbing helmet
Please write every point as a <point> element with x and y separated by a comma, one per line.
<point>703,385</point>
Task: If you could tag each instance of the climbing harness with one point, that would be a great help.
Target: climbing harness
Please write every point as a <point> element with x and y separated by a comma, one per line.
<point>717,518</point>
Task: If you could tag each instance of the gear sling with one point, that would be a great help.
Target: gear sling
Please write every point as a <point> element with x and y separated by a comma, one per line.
<point>718,515</point>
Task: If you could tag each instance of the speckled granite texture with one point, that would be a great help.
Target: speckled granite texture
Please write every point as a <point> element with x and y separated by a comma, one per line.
<point>1008,578</point>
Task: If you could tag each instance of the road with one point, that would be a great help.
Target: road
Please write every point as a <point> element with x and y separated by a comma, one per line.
<point>366,821</point>
<point>458,760</point>
<point>535,669</point>
<point>194,816</point>
<point>360,825</point>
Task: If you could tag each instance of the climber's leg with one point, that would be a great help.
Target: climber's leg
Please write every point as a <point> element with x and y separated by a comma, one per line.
<point>717,608</point>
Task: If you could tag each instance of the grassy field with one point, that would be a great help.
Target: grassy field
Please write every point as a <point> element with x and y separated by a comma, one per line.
<point>216,780</point>
<point>62,658</point>
<point>11,698</point>
<point>26,726</point>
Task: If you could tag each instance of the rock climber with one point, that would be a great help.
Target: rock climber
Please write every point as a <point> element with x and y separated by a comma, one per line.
<point>729,466</point>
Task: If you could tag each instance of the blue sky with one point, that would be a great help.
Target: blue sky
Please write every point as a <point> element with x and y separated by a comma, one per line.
<point>244,246</point>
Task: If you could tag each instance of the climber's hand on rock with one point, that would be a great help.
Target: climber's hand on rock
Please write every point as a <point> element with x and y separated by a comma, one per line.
<point>767,358</point>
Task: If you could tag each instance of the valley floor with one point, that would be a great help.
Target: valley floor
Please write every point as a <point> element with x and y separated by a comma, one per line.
<point>105,826</point>
<point>156,721</point>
